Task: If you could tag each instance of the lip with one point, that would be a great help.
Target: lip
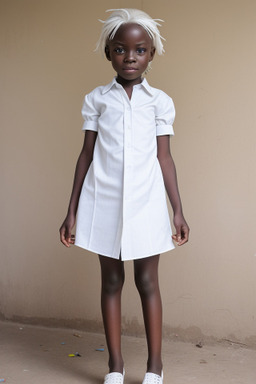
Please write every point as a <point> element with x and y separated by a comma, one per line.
<point>130,69</point>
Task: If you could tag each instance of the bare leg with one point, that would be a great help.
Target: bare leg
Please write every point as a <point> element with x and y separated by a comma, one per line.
<point>146,279</point>
<point>112,276</point>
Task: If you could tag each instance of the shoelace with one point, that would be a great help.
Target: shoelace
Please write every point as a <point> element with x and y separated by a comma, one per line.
<point>152,378</point>
<point>114,378</point>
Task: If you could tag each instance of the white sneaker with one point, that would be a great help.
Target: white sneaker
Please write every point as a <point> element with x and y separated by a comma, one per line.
<point>153,378</point>
<point>114,378</point>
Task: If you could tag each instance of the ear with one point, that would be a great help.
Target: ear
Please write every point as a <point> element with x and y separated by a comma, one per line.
<point>152,53</point>
<point>107,53</point>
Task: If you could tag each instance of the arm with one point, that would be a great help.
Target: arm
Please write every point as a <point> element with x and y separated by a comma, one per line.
<point>171,185</point>
<point>82,166</point>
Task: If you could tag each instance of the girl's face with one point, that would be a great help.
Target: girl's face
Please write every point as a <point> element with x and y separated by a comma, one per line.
<point>130,52</point>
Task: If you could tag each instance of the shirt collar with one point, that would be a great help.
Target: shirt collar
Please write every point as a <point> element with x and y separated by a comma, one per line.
<point>144,84</point>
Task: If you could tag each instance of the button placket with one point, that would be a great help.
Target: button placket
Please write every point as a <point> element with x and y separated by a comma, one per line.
<point>127,169</point>
<point>127,151</point>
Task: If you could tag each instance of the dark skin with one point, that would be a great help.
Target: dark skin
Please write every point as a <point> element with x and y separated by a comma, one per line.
<point>130,52</point>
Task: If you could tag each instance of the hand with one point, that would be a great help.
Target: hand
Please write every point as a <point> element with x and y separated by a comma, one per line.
<point>182,230</point>
<point>65,231</point>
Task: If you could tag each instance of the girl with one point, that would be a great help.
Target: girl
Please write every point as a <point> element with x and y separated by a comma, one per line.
<point>121,176</point>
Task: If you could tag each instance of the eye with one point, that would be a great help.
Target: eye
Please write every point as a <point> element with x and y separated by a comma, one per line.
<point>119,50</point>
<point>141,50</point>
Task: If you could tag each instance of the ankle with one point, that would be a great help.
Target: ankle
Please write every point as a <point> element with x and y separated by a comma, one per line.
<point>155,367</point>
<point>116,365</point>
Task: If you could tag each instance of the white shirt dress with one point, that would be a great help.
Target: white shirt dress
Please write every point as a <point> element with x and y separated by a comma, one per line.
<point>122,211</point>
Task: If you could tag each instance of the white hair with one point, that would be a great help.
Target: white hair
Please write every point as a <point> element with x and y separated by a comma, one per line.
<point>122,16</point>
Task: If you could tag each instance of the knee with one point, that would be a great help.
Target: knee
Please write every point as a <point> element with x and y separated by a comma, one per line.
<point>146,283</point>
<point>112,283</point>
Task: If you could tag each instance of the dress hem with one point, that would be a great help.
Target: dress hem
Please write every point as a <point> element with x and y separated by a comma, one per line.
<point>126,259</point>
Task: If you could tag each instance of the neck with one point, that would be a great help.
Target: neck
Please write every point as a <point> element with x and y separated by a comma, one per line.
<point>128,83</point>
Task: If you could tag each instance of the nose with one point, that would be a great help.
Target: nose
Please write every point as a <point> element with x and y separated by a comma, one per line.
<point>130,57</point>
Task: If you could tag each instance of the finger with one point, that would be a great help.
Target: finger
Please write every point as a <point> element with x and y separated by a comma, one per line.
<point>174,237</point>
<point>63,237</point>
<point>65,242</point>
<point>72,239</point>
<point>185,235</point>
<point>182,242</point>
<point>177,238</point>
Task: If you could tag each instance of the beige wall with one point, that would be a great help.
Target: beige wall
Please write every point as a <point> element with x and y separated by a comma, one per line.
<point>47,65</point>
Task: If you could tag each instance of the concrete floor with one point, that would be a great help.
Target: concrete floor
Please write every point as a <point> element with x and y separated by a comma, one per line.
<point>39,355</point>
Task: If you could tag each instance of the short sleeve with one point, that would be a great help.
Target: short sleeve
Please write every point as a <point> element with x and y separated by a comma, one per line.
<point>90,114</point>
<point>165,115</point>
